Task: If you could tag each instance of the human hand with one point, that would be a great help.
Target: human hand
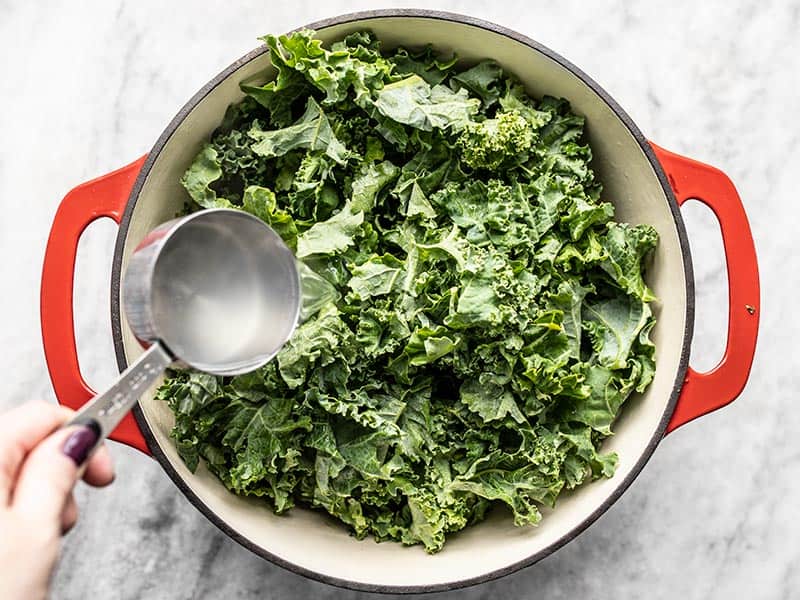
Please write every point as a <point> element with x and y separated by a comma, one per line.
<point>39,466</point>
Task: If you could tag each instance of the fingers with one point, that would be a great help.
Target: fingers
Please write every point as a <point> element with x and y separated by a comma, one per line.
<point>47,476</point>
<point>69,516</point>
<point>100,469</point>
<point>21,429</point>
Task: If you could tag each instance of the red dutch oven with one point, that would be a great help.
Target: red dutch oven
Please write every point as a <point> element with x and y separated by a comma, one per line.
<point>646,183</point>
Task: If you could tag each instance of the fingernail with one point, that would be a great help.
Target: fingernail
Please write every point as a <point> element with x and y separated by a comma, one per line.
<point>79,444</point>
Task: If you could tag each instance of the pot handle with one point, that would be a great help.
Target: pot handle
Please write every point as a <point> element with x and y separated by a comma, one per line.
<point>706,392</point>
<point>105,196</point>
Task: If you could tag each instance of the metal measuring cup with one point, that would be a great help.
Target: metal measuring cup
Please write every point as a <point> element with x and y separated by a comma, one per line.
<point>217,290</point>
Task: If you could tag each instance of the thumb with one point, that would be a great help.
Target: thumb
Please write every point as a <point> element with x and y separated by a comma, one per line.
<point>50,471</point>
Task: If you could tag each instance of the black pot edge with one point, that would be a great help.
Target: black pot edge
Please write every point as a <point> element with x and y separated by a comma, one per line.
<point>159,455</point>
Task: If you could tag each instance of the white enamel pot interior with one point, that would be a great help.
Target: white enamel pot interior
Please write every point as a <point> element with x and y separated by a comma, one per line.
<point>316,546</point>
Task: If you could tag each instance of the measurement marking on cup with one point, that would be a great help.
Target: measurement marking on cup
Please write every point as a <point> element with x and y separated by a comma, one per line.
<point>118,401</point>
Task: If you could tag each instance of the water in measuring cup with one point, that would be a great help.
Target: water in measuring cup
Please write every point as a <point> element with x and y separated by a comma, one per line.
<point>221,299</point>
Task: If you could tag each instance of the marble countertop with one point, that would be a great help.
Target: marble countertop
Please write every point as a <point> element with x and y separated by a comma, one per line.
<point>88,86</point>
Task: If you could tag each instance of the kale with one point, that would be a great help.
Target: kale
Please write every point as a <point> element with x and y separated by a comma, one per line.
<point>476,318</point>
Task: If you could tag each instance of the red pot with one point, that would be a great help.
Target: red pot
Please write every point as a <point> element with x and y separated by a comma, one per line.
<point>646,183</point>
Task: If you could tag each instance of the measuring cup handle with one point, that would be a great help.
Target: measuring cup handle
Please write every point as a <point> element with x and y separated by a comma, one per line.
<point>105,411</point>
<point>105,196</point>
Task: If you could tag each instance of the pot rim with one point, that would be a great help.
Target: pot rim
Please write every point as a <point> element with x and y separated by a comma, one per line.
<point>152,443</point>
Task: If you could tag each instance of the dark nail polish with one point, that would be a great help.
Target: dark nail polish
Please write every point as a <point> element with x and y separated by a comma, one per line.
<point>79,444</point>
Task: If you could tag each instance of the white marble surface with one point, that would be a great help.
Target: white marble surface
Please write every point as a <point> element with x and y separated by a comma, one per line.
<point>86,87</point>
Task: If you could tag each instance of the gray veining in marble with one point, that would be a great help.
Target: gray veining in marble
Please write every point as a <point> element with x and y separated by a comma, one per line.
<point>87,87</point>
